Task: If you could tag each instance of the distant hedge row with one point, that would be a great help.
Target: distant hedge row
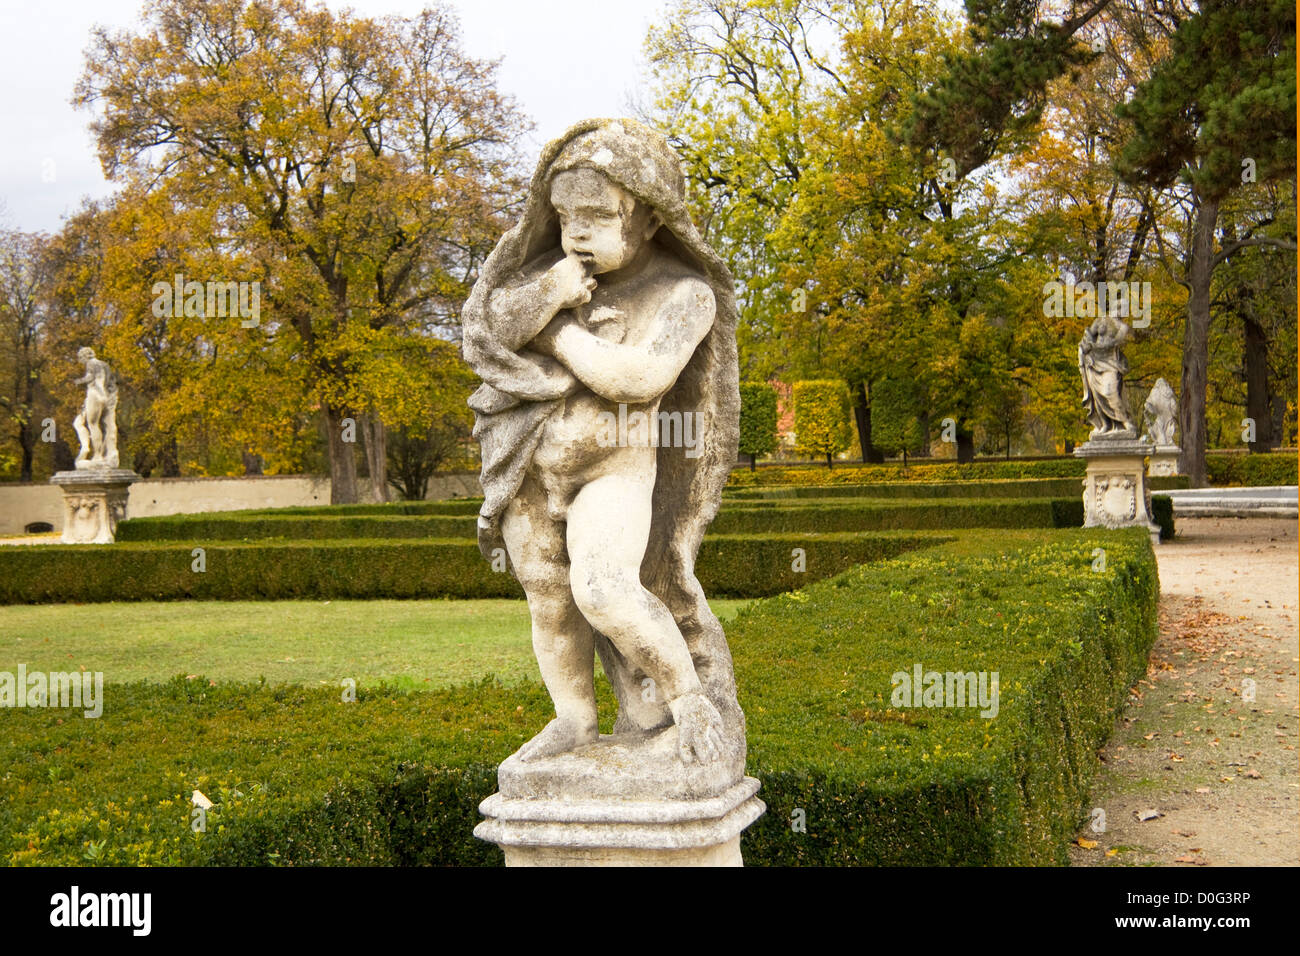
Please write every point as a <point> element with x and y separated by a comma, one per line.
<point>922,470</point>
<point>452,506</point>
<point>1254,471</point>
<point>1222,468</point>
<point>299,777</point>
<point>728,566</point>
<point>744,517</point>
<point>1003,488</point>
<point>259,527</point>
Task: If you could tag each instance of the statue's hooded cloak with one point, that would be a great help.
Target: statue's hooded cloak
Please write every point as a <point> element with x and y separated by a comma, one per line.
<point>523,388</point>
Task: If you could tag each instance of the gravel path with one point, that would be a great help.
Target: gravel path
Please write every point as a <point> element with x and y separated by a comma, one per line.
<point>1197,773</point>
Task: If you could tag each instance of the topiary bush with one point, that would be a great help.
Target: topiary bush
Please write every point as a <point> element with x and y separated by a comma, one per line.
<point>299,776</point>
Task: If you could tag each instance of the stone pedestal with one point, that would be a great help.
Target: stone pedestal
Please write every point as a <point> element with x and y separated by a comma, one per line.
<point>94,501</point>
<point>626,800</point>
<point>1164,461</point>
<point>1115,490</point>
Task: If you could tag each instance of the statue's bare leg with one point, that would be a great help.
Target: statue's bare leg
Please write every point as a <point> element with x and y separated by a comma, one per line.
<point>83,435</point>
<point>608,529</point>
<point>94,411</point>
<point>562,638</point>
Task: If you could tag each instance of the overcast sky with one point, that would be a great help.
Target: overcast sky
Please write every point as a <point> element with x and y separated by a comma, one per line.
<point>563,60</point>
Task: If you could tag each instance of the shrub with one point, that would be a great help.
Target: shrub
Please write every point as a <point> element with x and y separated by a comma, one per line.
<point>1228,469</point>
<point>300,777</point>
<point>1000,488</point>
<point>221,527</point>
<point>758,418</point>
<point>867,514</point>
<point>931,470</point>
<point>728,565</point>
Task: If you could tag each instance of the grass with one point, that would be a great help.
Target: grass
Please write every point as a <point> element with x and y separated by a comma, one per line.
<point>412,644</point>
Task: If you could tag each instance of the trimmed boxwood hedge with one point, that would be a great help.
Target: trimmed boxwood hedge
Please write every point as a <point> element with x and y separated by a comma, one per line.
<point>219,527</point>
<point>1228,469</point>
<point>1223,468</point>
<point>748,516</point>
<point>870,515</point>
<point>728,566</point>
<point>299,777</point>
<point>926,471</point>
<point>1010,488</point>
<point>451,506</point>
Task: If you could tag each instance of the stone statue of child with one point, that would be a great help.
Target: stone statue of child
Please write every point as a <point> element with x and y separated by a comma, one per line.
<point>605,296</point>
<point>96,424</point>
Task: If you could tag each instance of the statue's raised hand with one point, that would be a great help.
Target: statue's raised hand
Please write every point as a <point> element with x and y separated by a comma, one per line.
<point>570,283</point>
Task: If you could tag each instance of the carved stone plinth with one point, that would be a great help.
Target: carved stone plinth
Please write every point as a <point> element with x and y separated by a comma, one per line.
<point>627,800</point>
<point>1164,461</point>
<point>1116,493</point>
<point>94,501</point>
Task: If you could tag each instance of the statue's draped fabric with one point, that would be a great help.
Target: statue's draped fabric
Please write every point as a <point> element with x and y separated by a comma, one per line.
<point>1103,367</point>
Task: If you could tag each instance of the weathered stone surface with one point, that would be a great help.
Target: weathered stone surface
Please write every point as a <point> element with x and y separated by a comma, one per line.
<point>586,832</point>
<point>1164,461</point>
<point>1103,367</point>
<point>639,765</point>
<point>93,503</point>
<point>1161,414</point>
<point>603,328</point>
<point>96,423</point>
<point>1116,493</point>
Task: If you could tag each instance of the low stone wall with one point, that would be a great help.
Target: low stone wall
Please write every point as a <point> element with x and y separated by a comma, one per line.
<point>25,504</point>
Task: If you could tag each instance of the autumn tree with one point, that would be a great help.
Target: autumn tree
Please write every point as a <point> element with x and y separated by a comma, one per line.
<point>1217,113</point>
<point>821,417</point>
<point>356,169</point>
<point>24,289</point>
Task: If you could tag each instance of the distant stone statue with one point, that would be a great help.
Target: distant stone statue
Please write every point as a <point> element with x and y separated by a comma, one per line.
<point>1161,413</point>
<point>1103,367</point>
<point>96,425</point>
<point>603,328</point>
<point>1116,493</point>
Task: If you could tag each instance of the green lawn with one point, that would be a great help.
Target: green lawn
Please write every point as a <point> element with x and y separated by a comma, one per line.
<point>410,643</point>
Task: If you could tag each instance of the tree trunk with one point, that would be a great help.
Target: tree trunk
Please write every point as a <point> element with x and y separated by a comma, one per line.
<point>26,439</point>
<point>753,462</point>
<point>376,441</point>
<point>343,463</point>
<point>965,444</point>
<point>170,459</point>
<point>1196,337</point>
<point>1258,401</point>
<point>828,461</point>
<point>252,463</point>
<point>862,417</point>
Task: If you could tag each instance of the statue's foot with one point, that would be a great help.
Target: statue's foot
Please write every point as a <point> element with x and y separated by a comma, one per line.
<point>699,728</point>
<point>557,737</point>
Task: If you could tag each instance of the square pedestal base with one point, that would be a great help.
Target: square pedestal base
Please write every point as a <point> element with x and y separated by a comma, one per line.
<point>1116,493</point>
<point>626,800</point>
<point>1164,461</point>
<point>94,500</point>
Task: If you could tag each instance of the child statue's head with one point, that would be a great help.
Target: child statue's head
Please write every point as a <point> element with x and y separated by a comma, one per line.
<point>600,221</point>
